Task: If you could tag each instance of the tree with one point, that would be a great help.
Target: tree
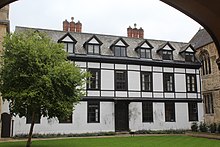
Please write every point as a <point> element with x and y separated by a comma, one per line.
<point>37,78</point>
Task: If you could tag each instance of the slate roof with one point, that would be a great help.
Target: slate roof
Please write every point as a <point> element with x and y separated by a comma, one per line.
<point>200,39</point>
<point>109,40</point>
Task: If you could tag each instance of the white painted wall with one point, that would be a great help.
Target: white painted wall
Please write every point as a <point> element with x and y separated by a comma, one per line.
<point>134,80</point>
<point>79,124</point>
<point>181,113</point>
<point>107,79</point>
<point>157,82</point>
<point>180,82</point>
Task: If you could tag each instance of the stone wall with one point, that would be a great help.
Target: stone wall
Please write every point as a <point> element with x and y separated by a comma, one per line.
<point>211,82</point>
<point>4,28</point>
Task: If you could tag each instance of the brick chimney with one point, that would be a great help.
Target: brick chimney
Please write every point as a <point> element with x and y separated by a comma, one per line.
<point>72,26</point>
<point>129,31</point>
<point>141,32</point>
<point>134,32</point>
<point>78,27</point>
<point>66,25</point>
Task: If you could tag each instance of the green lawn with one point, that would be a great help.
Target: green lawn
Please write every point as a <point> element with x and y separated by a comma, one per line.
<point>137,141</point>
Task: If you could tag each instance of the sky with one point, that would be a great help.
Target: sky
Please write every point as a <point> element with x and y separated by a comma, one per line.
<point>111,17</point>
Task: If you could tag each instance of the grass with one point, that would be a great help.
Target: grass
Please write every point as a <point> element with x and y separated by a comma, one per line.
<point>136,141</point>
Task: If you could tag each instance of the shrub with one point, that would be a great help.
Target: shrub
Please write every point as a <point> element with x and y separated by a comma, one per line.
<point>213,127</point>
<point>203,127</point>
<point>194,127</point>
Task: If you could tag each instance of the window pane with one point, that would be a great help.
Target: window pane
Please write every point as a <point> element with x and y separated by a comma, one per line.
<point>117,51</point>
<point>65,47</point>
<point>167,55</point>
<point>96,49</point>
<point>146,81</point>
<point>148,53</point>
<point>143,55</point>
<point>70,47</point>
<point>94,80</point>
<point>90,49</point>
<point>169,112</point>
<point>193,111</point>
<point>93,111</point>
<point>120,80</point>
<point>123,51</point>
<point>168,82</point>
<point>147,111</point>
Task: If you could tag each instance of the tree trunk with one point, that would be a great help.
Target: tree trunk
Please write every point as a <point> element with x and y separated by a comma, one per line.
<point>31,130</point>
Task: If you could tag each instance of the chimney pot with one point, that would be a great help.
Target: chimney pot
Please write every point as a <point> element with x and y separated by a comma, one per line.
<point>65,25</point>
<point>129,31</point>
<point>72,25</point>
<point>79,27</point>
<point>141,33</point>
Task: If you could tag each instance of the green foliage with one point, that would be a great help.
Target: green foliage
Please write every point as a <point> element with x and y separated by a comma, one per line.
<point>203,127</point>
<point>213,127</point>
<point>160,132</point>
<point>194,127</point>
<point>36,74</point>
<point>19,136</point>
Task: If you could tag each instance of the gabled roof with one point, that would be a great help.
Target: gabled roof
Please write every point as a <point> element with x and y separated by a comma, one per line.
<point>201,38</point>
<point>94,40</point>
<point>165,46</point>
<point>119,42</point>
<point>144,44</point>
<point>187,48</point>
<point>67,38</point>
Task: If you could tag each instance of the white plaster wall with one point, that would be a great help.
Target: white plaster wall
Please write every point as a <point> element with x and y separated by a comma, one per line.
<point>192,71</point>
<point>158,69</point>
<point>81,64</point>
<point>146,68</point>
<point>79,124</point>
<point>121,94</point>
<point>120,66</point>
<point>166,69</point>
<point>198,83</point>
<point>134,80</point>
<point>181,113</point>
<point>157,82</point>
<point>179,70</point>
<point>133,67</point>
<point>107,79</point>
<point>147,94</point>
<point>180,82</point>
<point>134,94</point>
<point>5,106</point>
<point>93,65</point>
<point>107,65</point>
<point>93,93</point>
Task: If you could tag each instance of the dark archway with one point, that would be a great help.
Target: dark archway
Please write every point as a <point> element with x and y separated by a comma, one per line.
<point>6,125</point>
<point>207,13</point>
<point>5,2</point>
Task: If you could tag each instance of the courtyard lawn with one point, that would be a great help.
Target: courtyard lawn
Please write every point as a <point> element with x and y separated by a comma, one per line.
<point>136,141</point>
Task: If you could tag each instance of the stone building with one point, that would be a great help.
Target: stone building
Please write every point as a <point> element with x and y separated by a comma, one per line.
<point>207,53</point>
<point>4,28</point>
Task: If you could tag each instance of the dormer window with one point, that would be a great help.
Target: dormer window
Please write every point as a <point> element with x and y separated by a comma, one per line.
<point>188,53</point>
<point>167,55</point>
<point>119,48</point>
<point>69,43</point>
<point>144,50</point>
<point>189,57</point>
<point>93,46</point>
<point>166,51</point>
